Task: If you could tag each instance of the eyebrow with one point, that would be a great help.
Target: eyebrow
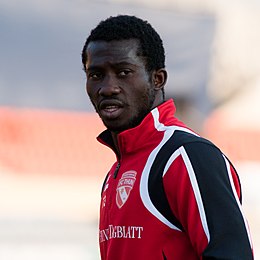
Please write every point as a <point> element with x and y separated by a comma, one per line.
<point>92,68</point>
<point>118,64</point>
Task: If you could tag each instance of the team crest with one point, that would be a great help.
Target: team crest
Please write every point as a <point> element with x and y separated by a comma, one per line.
<point>124,187</point>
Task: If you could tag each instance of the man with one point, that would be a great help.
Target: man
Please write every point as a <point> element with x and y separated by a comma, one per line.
<point>171,194</point>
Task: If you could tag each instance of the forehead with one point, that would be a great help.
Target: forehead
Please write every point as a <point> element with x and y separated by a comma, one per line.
<point>113,51</point>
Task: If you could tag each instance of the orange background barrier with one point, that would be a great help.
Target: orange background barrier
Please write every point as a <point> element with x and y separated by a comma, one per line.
<point>239,143</point>
<point>52,142</point>
<point>59,142</point>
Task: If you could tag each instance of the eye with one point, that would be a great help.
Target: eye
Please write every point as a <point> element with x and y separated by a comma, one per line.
<point>94,75</point>
<point>124,72</point>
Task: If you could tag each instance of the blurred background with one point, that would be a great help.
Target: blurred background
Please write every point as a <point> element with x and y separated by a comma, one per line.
<point>52,168</point>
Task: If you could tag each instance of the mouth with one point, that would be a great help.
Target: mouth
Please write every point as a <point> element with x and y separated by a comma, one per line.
<point>110,109</point>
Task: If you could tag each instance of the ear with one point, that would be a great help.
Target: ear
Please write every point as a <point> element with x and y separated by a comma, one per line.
<point>159,78</point>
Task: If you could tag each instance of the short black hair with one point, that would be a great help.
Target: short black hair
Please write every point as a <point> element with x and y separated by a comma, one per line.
<point>125,27</point>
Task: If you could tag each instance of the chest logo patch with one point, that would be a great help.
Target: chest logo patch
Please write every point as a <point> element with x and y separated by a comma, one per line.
<point>124,187</point>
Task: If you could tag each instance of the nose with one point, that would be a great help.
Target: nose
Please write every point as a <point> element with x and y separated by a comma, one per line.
<point>109,87</point>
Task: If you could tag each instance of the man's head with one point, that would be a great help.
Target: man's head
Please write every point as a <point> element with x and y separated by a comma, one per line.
<point>124,62</point>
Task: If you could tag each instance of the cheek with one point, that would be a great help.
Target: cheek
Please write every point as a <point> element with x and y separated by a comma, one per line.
<point>144,93</point>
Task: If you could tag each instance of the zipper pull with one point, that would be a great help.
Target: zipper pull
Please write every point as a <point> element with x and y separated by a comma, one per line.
<point>116,170</point>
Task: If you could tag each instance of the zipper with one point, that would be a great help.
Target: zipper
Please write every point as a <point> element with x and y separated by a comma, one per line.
<point>164,257</point>
<point>116,170</point>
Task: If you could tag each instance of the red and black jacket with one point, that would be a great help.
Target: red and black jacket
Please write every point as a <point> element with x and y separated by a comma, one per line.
<point>171,195</point>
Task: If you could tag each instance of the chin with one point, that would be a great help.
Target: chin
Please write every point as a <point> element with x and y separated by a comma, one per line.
<point>113,127</point>
<point>118,127</point>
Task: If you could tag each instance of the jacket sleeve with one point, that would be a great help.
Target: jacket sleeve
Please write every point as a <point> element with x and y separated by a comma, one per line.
<point>206,200</point>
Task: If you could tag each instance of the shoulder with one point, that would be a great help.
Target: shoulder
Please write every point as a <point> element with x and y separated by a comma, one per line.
<point>199,153</point>
<point>190,140</point>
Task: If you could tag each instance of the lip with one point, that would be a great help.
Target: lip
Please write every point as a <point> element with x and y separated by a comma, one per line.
<point>110,109</point>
